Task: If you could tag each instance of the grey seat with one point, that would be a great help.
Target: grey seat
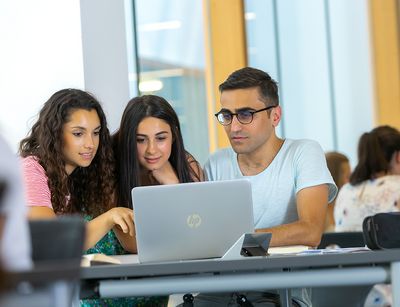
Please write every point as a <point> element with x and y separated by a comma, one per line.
<point>341,296</point>
<point>57,246</point>
<point>58,239</point>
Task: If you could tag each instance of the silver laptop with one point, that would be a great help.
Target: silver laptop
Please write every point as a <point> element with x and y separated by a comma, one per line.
<point>191,220</point>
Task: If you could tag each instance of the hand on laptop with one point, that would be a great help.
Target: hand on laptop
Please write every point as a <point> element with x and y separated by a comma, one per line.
<point>165,174</point>
<point>122,218</point>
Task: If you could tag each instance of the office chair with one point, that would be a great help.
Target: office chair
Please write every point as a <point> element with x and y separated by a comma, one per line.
<point>58,239</point>
<point>342,296</point>
<point>57,247</point>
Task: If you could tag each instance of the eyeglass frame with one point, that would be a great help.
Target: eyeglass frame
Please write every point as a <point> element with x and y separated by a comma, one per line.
<point>236,114</point>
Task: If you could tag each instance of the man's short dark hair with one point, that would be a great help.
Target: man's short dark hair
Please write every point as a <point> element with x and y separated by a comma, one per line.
<point>249,77</point>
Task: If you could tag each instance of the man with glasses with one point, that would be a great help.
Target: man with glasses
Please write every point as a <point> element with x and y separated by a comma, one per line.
<point>291,184</point>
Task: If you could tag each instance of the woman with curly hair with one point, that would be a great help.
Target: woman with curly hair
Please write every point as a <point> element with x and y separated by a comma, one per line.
<point>68,168</point>
<point>149,148</point>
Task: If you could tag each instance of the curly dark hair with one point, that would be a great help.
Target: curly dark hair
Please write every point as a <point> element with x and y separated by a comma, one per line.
<point>89,189</point>
<point>125,147</point>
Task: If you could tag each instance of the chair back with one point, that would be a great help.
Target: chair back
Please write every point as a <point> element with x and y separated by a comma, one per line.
<point>57,239</point>
<point>57,247</point>
<point>342,239</point>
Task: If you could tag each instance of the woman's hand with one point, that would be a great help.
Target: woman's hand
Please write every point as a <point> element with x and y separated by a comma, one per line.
<point>122,219</point>
<point>116,218</point>
<point>124,228</point>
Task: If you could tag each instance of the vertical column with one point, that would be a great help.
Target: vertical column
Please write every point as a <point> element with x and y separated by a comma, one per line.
<point>385,43</point>
<point>105,55</point>
<point>225,52</point>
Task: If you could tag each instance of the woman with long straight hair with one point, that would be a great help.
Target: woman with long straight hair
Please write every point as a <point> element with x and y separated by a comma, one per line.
<point>149,148</point>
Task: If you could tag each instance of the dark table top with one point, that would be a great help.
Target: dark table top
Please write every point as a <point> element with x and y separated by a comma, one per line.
<point>245,264</point>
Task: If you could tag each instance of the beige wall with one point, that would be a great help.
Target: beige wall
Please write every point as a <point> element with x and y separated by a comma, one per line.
<point>225,43</point>
<point>225,52</point>
<point>385,47</point>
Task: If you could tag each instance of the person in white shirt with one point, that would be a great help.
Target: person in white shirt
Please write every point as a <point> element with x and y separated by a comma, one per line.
<point>15,248</point>
<point>291,184</point>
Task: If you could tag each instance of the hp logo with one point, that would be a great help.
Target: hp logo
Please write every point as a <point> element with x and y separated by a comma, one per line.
<point>193,221</point>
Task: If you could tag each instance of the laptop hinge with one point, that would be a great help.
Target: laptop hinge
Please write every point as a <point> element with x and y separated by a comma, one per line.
<point>249,244</point>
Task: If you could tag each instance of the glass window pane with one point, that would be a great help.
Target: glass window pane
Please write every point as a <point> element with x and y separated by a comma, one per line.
<point>171,61</point>
<point>319,53</point>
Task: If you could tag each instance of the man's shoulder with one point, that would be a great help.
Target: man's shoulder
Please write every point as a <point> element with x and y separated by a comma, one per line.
<point>220,165</point>
<point>301,147</point>
<point>222,155</point>
<point>301,143</point>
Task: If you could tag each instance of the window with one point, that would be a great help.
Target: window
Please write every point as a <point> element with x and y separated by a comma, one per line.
<point>319,52</point>
<point>170,63</point>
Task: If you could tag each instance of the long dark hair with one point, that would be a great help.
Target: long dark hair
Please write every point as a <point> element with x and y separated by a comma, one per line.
<point>125,147</point>
<point>375,150</point>
<point>90,189</point>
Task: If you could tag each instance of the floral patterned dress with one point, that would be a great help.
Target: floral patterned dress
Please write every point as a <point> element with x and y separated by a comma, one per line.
<point>110,245</point>
<point>354,204</point>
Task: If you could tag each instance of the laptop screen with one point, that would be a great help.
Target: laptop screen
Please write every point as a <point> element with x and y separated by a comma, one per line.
<point>191,220</point>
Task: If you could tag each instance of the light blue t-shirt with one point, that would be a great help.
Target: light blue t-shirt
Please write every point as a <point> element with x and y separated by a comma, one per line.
<point>299,164</point>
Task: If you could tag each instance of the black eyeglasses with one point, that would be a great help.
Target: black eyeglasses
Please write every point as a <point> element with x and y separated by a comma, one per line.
<point>244,116</point>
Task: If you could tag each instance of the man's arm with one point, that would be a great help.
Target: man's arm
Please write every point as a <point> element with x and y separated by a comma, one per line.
<point>312,205</point>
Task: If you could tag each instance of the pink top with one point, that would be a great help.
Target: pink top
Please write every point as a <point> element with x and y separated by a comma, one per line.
<point>37,191</point>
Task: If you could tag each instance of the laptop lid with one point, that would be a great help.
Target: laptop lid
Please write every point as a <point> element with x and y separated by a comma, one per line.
<point>191,220</point>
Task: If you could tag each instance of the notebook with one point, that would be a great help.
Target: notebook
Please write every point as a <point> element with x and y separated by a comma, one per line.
<point>191,220</point>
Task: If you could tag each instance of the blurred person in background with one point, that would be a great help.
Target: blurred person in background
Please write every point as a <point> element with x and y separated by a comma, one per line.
<point>339,166</point>
<point>375,182</point>
<point>15,246</point>
<point>374,187</point>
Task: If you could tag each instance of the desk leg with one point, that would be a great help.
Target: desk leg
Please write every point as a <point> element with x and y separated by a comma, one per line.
<point>285,297</point>
<point>395,276</point>
<point>61,294</point>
